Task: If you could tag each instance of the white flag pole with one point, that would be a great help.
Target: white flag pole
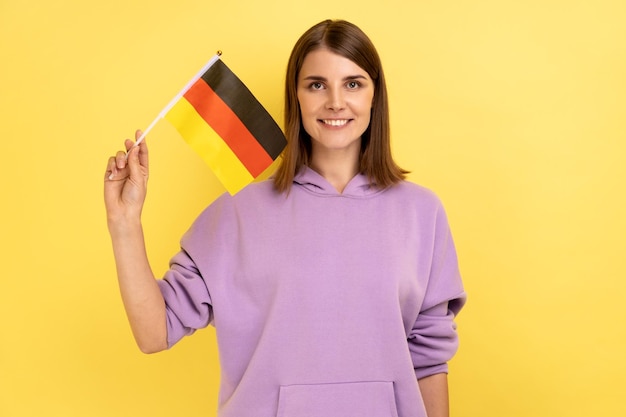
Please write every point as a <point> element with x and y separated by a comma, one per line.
<point>177,97</point>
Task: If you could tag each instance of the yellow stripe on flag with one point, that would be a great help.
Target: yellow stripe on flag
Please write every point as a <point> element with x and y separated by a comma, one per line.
<point>209,145</point>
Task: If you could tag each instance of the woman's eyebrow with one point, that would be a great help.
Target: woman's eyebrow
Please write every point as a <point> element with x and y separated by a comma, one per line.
<point>320,78</point>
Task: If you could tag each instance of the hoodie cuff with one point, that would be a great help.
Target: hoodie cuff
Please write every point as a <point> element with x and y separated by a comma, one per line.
<point>431,370</point>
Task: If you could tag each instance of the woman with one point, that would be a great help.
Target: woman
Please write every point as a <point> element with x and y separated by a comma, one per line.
<point>333,286</point>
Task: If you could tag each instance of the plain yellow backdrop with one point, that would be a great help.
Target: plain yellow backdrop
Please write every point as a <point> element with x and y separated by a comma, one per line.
<point>512,111</point>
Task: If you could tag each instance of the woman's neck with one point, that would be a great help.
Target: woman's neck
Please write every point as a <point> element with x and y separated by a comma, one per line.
<point>338,169</point>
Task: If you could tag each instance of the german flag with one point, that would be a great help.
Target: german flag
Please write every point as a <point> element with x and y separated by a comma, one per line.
<point>223,122</point>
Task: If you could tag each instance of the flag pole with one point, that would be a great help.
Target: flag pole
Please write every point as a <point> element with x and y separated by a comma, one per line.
<point>177,97</point>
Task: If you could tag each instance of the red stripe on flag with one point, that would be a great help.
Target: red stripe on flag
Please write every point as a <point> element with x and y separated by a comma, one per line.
<point>226,124</point>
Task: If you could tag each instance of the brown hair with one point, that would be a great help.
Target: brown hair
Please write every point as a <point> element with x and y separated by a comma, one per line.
<point>345,39</point>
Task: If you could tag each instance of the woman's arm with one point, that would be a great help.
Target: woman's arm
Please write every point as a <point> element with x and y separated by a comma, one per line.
<point>124,194</point>
<point>434,389</point>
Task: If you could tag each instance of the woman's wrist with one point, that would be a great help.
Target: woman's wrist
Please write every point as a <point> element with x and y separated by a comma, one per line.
<point>124,225</point>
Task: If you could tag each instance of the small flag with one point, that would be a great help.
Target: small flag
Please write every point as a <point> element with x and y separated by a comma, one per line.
<point>222,121</point>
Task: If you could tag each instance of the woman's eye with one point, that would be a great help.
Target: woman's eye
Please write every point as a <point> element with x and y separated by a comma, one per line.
<point>352,85</point>
<point>316,86</point>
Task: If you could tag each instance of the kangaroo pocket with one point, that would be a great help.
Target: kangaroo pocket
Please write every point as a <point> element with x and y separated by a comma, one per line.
<point>355,399</point>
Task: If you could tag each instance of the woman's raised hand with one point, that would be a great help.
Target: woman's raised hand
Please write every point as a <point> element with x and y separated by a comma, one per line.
<point>125,183</point>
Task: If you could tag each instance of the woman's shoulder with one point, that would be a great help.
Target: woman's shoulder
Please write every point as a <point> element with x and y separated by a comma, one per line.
<point>222,217</point>
<point>416,192</point>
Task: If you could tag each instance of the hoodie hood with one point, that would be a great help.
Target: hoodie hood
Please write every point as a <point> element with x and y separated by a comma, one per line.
<point>358,187</point>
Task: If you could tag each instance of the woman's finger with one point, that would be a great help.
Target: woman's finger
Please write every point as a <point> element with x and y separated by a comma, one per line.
<point>133,162</point>
<point>129,145</point>
<point>117,168</point>
<point>111,170</point>
<point>120,160</point>
<point>143,150</point>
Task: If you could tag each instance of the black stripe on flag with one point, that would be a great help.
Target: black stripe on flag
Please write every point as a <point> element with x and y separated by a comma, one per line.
<point>243,103</point>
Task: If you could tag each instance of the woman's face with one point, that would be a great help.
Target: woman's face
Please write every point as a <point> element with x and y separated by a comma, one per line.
<point>335,97</point>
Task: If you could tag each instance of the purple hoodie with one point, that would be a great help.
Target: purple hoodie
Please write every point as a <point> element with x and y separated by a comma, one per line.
<point>324,304</point>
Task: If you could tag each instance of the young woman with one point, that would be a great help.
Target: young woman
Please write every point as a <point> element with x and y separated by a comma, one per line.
<point>333,286</point>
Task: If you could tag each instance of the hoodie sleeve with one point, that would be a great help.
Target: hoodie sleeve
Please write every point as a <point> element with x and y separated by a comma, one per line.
<point>187,299</point>
<point>433,340</point>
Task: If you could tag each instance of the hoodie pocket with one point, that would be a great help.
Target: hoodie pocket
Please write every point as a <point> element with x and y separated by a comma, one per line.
<point>354,399</point>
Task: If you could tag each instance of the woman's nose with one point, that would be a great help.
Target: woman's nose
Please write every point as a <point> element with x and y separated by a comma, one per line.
<point>335,100</point>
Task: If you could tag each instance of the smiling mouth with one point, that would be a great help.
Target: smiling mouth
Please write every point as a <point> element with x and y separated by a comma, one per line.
<point>335,122</point>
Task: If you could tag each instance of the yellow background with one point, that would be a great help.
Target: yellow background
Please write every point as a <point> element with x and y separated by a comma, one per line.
<point>512,111</point>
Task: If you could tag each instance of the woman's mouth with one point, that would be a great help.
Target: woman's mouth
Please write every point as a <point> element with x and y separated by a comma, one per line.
<point>335,122</point>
